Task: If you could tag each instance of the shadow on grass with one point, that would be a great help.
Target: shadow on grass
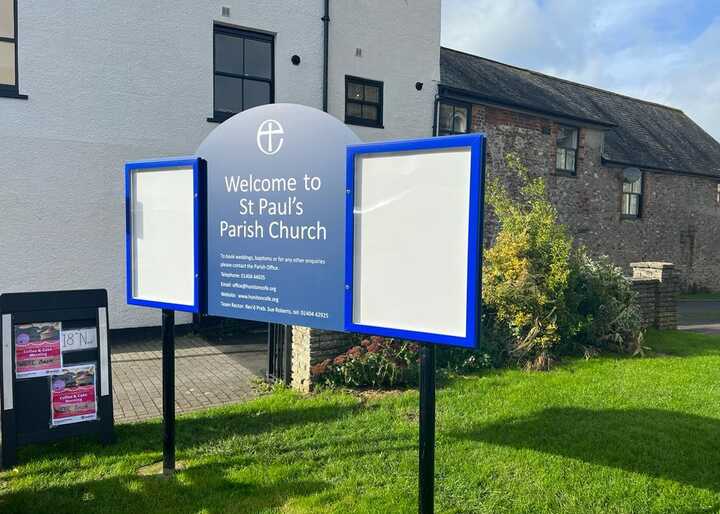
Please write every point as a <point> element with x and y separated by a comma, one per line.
<point>144,440</point>
<point>204,488</point>
<point>659,443</point>
<point>72,476</point>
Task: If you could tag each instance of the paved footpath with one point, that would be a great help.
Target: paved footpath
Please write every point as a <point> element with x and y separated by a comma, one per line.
<point>206,374</point>
<point>699,316</point>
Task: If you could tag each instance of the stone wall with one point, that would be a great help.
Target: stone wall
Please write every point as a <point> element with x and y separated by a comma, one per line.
<point>311,346</point>
<point>657,287</point>
<point>680,219</point>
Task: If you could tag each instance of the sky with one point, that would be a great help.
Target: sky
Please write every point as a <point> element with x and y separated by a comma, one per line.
<point>665,51</point>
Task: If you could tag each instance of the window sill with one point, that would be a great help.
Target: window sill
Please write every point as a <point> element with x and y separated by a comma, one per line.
<point>565,173</point>
<point>12,94</point>
<point>216,120</point>
<point>362,123</point>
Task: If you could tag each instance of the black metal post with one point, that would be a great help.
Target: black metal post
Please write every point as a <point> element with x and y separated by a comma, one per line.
<point>326,54</point>
<point>270,353</point>
<point>168,378</point>
<point>427,430</point>
<point>287,354</point>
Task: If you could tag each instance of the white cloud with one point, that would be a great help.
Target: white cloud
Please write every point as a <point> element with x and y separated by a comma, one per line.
<point>643,48</point>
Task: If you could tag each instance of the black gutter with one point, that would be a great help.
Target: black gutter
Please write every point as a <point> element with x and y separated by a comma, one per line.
<point>326,46</point>
<point>622,164</point>
<point>435,116</point>
<point>469,96</point>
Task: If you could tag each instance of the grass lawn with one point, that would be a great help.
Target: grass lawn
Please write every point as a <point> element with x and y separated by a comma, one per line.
<point>605,435</point>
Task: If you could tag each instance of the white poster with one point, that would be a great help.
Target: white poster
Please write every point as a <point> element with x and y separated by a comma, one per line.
<point>74,339</point>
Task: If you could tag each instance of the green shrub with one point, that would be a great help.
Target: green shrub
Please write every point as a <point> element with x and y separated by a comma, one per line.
<point>527,274</point>
<point>608,304</point>
<point>462,360</point>
<point>544,297</point>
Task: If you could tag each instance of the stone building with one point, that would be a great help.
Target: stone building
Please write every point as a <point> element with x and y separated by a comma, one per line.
<point>634,180</point>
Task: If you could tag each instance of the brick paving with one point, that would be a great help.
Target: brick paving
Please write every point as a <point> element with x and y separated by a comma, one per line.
<point>206,375</point>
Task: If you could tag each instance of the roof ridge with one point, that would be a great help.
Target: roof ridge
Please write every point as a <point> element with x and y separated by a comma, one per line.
<point>559,79</point>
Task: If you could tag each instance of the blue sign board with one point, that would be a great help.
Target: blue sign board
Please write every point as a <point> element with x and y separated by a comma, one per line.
<point>163,233</point>
<point>276,216</point>
<point>414,239</point>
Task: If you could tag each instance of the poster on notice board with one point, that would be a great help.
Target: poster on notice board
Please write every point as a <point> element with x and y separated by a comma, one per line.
<point>73,395</point>
<point>37,349</point>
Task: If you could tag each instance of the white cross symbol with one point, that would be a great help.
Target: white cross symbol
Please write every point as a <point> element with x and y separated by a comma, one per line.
<point>267,130</point>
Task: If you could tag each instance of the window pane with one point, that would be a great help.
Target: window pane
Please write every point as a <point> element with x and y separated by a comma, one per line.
<point>7,18</point>
<point>354,110</point>
<point>632,180</point>
<point>631,204</point>
<point>256,93</point>
<point>634,203</point>
<point>354,91</point>
<point>228,54</point>
<point>570,160</point>
<point>460,120</point>
<point>7,63</point>
<point>567,138</point>
<point>228,94</point>
<point>370,112</point>
<point>446,117</point>
<point>560,160</point>
<point>372,94</point>
<point>258,58</point>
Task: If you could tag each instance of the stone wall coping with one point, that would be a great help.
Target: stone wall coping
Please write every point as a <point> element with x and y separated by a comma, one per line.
<point>652,265</point>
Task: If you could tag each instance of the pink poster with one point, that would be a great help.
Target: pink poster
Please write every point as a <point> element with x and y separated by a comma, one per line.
<point>37,349</point>
<point>73,395</point>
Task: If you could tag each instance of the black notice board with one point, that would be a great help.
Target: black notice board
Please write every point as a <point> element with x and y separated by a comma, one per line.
<point>26,401</point>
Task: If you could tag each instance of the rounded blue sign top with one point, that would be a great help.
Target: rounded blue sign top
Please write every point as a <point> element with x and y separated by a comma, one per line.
<point>276,215</point>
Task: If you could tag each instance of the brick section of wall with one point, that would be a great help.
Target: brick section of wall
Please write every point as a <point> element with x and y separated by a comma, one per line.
<point>680,219</point>
<point>310,346</point>
<point>646,289</point>
<point>657,287</point>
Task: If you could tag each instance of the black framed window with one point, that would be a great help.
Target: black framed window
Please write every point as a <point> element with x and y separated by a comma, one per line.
<point>244,76</point>
<point>632,190</point>
<point>8,48</point>
<point>566,151</point>
<point>453,118</point>
<point>363,102</point>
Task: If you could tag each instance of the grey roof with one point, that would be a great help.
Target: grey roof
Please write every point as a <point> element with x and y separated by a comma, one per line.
<point>640,133</point>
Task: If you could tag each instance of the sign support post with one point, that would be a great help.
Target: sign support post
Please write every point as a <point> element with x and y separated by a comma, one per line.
<point>168,378</point>
<point>427,430</point>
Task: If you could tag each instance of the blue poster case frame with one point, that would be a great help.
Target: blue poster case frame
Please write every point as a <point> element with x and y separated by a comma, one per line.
<point>198,167</point>
<point>476,144</point>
